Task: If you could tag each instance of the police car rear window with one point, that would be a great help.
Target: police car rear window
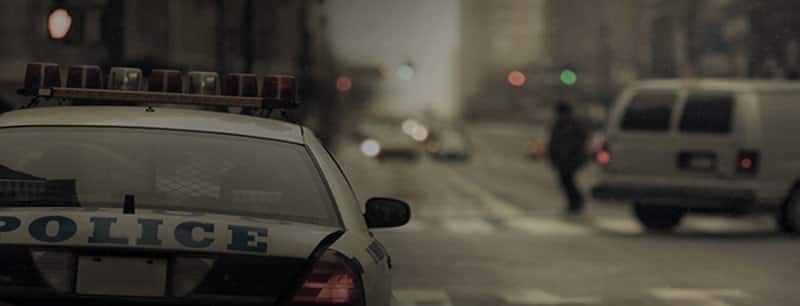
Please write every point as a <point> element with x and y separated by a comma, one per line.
<point>163,169</point>
<point>650,111</point>
<point>707,114</point>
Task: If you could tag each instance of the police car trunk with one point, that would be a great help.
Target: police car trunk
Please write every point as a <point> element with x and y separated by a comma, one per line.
<point>123,205</point>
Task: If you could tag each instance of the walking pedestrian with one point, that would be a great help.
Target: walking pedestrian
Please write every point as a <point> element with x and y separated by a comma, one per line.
<point>567,153</point>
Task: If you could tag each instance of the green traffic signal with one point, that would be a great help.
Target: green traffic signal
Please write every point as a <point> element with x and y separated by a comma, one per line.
<point>568,77</point>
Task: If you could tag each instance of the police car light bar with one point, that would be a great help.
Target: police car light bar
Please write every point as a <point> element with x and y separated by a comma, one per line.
<point>42,80</point>
<point>147,97</point>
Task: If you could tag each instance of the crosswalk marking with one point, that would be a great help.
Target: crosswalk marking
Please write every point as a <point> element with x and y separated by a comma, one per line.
<point>536,296</point>
<point>468,226</point>
<point>415,297</point>
<point>546,226</point>
<point>541,297</point>
<point>617,225</point>
<point>558,226</point>
<point>698,297</point>
<point>413,226</point>
<point>492,204</point>
<point>718,224</point>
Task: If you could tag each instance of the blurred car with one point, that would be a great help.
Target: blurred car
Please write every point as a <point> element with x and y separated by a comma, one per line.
<point>450,143</point>
<point>385,139</point>
<point>153,205</point>
<point>714,146</point>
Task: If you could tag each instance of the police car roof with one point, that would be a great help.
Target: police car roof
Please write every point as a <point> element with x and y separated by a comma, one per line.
<point>161,118</point>
<point>752,85</point>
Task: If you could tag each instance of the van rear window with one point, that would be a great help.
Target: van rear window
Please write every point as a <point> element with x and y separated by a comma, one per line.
<point>707,114</point>
<point>649,112</point>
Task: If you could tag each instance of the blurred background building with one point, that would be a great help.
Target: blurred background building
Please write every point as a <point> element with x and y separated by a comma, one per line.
<point>276,37</point>
<point>449,59</point>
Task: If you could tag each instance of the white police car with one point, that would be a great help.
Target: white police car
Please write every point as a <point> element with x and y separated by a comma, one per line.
<point>121,205</point>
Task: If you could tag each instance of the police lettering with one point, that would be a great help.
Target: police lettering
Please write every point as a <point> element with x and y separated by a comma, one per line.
<point>108,231</point>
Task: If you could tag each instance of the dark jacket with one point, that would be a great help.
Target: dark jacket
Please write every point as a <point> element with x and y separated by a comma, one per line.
<point>567,147</point>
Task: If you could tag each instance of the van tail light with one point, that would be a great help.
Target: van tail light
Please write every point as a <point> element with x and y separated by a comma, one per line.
<point>334,280</point>
<point>747,162</point>
<point>603,155</point>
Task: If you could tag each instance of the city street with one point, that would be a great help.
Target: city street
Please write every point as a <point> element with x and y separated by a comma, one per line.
<point>490,231</point>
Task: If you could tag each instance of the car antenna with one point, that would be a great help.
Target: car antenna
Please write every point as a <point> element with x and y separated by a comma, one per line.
<point>129,206</point>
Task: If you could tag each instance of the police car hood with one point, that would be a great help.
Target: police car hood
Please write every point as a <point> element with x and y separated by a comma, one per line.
<point>159,230</point>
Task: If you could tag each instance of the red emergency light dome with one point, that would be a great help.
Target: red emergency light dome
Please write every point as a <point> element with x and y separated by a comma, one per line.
<point>164,80</point>
<point>241,84</point>
<point>280,87</point>
<point>42,75</point>
<point>84,76</point>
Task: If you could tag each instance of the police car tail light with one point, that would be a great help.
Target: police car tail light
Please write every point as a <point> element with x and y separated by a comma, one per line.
<point>57,267</point>
<point>163,80</point>
<point>332,281</point>
<point>84,76</point>
<point>125,78</point>
<point>188,273</point>
<point>42,75</point>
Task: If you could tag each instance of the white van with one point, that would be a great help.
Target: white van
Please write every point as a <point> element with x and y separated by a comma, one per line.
<point>704,146</point>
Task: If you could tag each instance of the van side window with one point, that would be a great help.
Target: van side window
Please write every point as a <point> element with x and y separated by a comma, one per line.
<point>649,112</point>
<point>707,114</point>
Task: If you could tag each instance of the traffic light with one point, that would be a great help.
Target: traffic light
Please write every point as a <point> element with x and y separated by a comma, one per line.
<point>516,78</point>
<point>568,77</point>
<point>405,72</point>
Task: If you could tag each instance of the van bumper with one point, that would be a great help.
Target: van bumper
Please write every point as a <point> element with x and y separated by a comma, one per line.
<point>684,197</point>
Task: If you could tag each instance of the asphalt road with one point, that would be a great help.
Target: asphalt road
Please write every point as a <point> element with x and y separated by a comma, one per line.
<point>490,232</point>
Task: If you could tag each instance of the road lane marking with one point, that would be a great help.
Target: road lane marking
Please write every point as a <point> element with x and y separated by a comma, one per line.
<point>542,226</point>
<point>413,226</point>
<point>493,205</point>
<point>415,297</point>
<point>541,297</point>
<point>617,225</point>
<point>720,224</point>
<point>468,226</point>
<point>698,297</point>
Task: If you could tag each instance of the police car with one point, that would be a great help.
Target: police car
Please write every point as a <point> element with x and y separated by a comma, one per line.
<point>119,200</point>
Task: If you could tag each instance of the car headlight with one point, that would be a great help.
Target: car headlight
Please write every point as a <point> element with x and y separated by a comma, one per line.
<point>370,147</point>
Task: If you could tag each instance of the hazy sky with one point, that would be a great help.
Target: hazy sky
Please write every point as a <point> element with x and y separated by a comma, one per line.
<point>421,32</point>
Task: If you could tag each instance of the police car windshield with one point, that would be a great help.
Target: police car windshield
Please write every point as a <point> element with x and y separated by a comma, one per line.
<point>169,170</point>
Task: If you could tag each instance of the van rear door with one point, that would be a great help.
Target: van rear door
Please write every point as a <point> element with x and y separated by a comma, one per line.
<point>707,145</point>
<point>642,143</point>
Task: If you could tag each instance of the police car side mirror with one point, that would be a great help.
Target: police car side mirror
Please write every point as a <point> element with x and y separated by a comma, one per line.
<point>385,212</point>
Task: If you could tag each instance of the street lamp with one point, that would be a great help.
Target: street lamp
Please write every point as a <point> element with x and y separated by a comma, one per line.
<point>58,23</point>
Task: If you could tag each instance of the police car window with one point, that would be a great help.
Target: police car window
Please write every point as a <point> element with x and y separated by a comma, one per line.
<point>649,112</point>
<point>707,114</point>
<point>185,171</point>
